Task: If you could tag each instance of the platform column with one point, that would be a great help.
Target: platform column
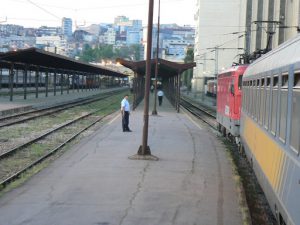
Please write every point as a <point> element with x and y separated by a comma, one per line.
<point>47,82</point>
<point>178,92</point>
<point>62,73</point>
<point>54,82</point>
<point>11,80</point>
<point>36,82</point>
<point>68,82</point>
<point>134,89</point>
<point>25,81</point>
<point>17,78</point>
<point>0,78</point>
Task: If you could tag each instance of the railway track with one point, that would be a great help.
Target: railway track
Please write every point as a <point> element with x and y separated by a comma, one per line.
<point>206,115</point>
<point>33,114</point>
<point>38,149</point>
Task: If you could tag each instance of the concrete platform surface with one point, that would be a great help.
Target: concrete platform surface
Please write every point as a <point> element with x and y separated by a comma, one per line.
<point>96,184</point>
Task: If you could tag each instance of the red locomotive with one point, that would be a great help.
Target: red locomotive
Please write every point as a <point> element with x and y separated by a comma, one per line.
<point>229,101</point>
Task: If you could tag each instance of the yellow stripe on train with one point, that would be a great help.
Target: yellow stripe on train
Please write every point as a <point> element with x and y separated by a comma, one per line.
<point>266,152</point>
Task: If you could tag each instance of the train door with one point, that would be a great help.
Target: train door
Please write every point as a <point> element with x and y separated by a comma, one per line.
<point>237,94</point>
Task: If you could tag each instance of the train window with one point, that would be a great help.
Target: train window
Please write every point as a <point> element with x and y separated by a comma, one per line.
<point>273,112</point>
<point>262,101</point>
<point>267,105</point>
<point>245,94</point>
<point>283,107</point>
<point>253,107</point>
<point>295,120</point>
<point>249,97</point>
<point>240,81</point>
<point>257,101</point>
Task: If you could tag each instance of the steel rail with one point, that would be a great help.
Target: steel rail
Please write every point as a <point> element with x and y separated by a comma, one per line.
<point>17,174</point>
<point>199,113</point>
<point>13,150</point>
<point>56,108</point>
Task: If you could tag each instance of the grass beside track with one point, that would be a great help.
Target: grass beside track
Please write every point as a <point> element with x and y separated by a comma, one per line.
<point>20,159</point>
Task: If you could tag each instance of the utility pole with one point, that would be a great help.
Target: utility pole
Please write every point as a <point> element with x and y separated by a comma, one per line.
<point>154,112</point>
<point>216,48</point>
<point>144,152</point>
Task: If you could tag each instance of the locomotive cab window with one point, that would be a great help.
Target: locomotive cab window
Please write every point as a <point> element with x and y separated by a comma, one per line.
<point>295,126</point>
<point>240,81</point>
<point>283,107</point>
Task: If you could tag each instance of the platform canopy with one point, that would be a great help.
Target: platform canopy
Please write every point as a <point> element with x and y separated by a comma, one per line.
<point>166,69</point>
<point>44,59</point>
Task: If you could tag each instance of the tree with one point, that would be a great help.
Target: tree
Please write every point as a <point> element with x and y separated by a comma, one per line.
<point>188,74</point>
<point>104,52</point>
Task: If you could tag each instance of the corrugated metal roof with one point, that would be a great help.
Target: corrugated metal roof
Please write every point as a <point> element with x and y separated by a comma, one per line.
<point>165,68</point>
<point>44,59</point>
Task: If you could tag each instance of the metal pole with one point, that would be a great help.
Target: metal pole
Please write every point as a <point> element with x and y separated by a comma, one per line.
<point>61,82</point>
<point>11,81</point>
<point>154,112</point>
<point>178,92</point>
<point>0,78</point>
<point>144,149</point>
<point>25,81</point>
<point>47,81</point>
<point>36,82</point>
<point>54,82</point>
<point>134,87</point>
<point>216,61</point>
<point>68,82</point>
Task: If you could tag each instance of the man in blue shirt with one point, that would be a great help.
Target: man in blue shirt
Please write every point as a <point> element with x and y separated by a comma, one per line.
<point>125,110</point>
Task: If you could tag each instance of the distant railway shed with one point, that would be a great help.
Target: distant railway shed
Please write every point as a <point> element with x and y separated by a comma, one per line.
<point>169,72</point>
<point>41,68</point>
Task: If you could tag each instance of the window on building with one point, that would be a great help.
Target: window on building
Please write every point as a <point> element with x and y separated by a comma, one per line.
<point>283,106</point>
<point>295,120</point>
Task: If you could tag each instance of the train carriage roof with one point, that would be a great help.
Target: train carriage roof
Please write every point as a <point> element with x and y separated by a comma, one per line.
<point>44,59</point>
<point>286,54</point>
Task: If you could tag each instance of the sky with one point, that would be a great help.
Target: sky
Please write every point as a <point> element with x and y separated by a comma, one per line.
<point>35,13</point>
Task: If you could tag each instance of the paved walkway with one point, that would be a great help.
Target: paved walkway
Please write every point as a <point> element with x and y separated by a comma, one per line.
<point>96,184</point>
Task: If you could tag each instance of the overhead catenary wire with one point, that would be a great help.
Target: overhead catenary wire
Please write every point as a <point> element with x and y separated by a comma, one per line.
<point>45,10</point>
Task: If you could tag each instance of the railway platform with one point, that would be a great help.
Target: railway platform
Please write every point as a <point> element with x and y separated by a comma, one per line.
<point>95,183</point>
<point>20,104</point>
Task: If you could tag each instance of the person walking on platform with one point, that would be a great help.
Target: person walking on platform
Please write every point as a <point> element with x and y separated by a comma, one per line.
<point>160,95</point>
<point>125,110</point>
<point>152,88</point>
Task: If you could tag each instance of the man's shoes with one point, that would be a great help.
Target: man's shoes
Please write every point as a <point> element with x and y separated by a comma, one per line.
<point>127,130</point>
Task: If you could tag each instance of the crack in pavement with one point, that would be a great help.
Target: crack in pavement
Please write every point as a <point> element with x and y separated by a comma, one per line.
<point>135,194</point>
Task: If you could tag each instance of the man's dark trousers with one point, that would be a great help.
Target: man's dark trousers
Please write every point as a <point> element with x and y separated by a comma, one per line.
<point>125,121</point>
